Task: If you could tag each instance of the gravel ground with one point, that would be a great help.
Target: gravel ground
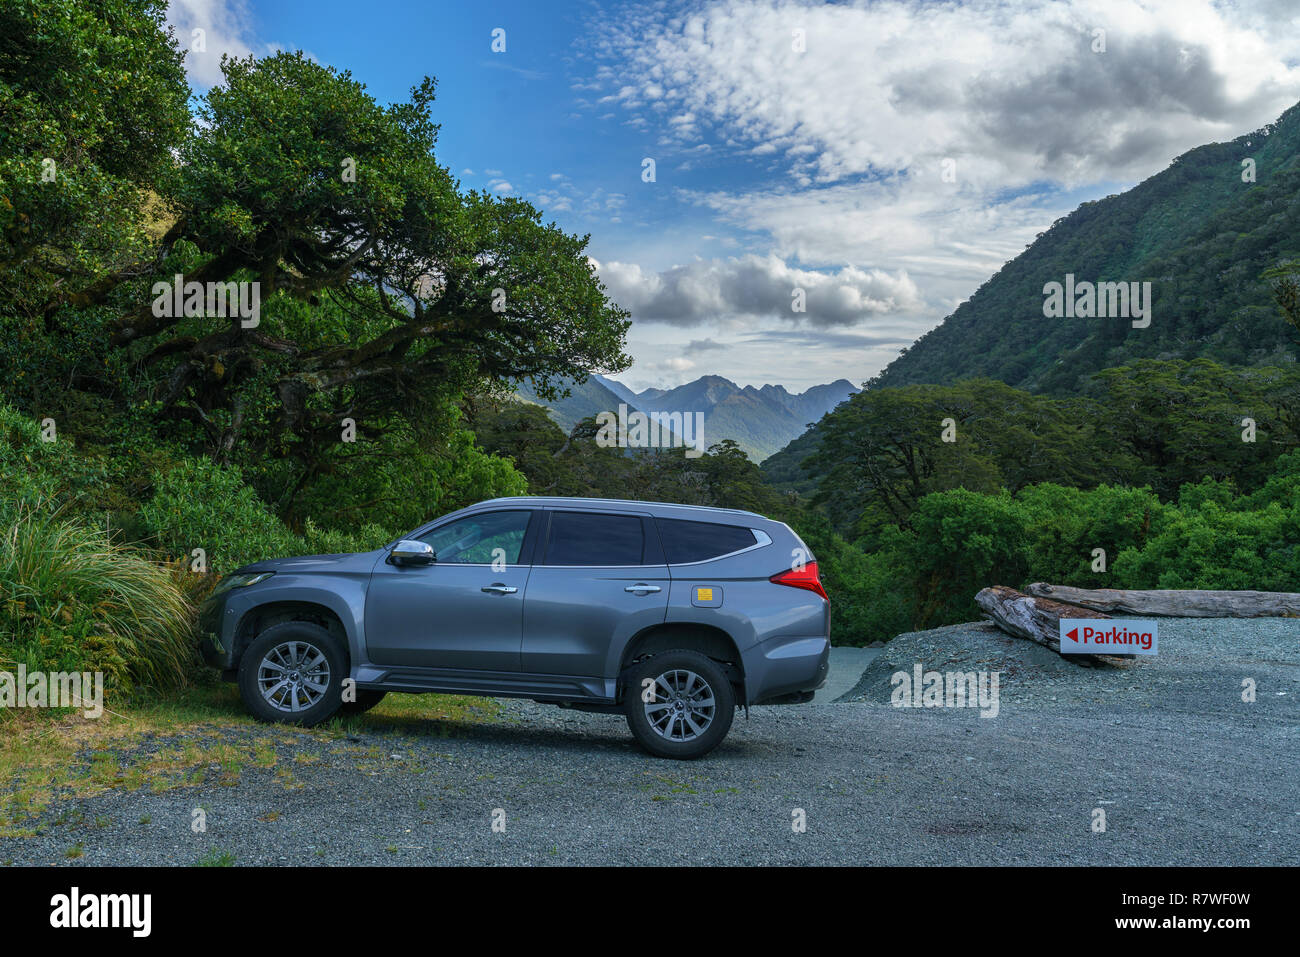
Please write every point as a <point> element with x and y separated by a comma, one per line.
<point>1185,771</point>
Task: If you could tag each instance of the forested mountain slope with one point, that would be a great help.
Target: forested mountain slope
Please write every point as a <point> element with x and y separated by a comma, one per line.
<point>1196,231</point>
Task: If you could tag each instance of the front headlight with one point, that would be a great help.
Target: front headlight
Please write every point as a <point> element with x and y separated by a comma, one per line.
<point>240,581</point>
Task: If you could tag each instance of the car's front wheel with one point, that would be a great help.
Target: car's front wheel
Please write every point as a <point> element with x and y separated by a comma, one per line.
<point>293,673</point>
<point>679,704</point>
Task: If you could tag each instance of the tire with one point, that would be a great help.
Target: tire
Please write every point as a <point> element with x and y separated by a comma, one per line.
<point>289,650</point>
<point>366,700</point>
<point>676,724</point>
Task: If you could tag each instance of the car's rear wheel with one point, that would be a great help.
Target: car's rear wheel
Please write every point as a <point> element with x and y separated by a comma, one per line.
<point>293,673</point>
<point>679,704</point>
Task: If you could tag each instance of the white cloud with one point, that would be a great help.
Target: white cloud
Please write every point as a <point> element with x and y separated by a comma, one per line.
<point>946,236</point>
<point>225,26</point>
<point>756,286</point>
<point>1013,92</point>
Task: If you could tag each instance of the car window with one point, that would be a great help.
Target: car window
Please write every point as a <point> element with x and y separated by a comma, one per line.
<point>699,541</point>
<point>590,538</point>
<point>475,539</point>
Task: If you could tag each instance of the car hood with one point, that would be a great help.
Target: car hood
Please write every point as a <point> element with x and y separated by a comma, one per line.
<point>347,561</point>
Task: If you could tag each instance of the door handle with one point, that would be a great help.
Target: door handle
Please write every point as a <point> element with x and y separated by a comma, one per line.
<point>499,589</point>
<point>642,589</point>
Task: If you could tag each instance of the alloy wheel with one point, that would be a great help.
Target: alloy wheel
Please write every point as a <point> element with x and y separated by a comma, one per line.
<point>293,676</point>
<point>682,706</point>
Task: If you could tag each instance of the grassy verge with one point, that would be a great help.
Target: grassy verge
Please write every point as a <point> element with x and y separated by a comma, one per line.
<point>185,740</point>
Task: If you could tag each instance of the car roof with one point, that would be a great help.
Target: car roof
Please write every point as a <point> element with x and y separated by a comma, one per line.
<point>667,509</point>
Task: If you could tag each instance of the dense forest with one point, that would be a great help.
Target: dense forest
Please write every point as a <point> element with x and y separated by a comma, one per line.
<point>1164,474</point>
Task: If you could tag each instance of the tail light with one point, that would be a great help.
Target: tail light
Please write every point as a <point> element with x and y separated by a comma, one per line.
<point>805,577</point>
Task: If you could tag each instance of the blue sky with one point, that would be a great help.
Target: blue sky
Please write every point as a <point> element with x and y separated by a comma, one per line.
<point>884,158</point>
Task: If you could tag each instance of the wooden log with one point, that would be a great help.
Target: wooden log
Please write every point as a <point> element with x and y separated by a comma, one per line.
<point>1034,618</point>
<point>1187,603</point>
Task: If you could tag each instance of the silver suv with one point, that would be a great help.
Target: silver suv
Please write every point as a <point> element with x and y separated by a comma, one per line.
<point>669,614</point>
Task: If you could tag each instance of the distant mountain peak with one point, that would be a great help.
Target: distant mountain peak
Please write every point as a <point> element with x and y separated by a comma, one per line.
<point>761,420</point>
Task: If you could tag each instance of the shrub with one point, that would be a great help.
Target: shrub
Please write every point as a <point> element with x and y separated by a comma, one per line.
<point>393,482</point>
<point>73,600</point>
<point>961,541</point>
<point>199,504</point>
<point>1215,547</point>
<point>32,470</point>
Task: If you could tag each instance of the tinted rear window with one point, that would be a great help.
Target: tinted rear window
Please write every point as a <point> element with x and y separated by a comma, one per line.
<point>699,541</point>
<point>588,538</point>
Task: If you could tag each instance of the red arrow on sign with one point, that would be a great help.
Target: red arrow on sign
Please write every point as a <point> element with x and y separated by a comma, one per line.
<point>1073,634</point>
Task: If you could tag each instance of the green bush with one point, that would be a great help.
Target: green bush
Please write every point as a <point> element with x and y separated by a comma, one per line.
<point>33,470</point>
<point>1063,526</point>
<point>391,481</point>
<point>319,541</point>
<point>73,600</point>
<point>199,504</point>
<point>960,541</point>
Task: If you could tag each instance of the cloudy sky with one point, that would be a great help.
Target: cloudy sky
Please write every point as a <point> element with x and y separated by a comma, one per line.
<point>883,158</point>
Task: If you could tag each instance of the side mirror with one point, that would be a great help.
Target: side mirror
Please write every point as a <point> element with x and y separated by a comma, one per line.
<point>411,552</point>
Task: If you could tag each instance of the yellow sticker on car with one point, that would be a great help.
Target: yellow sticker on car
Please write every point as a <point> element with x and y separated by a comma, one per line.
<point>704,594</point>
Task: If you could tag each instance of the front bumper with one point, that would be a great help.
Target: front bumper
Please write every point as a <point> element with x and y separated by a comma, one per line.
<point>217,623</point>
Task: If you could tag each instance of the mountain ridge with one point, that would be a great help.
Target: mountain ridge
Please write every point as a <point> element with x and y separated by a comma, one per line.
<point>761,420</point>
<point>1197,230</point>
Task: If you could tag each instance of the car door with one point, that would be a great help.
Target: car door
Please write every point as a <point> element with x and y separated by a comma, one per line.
<point>598,578</point>
<point>465,610</point>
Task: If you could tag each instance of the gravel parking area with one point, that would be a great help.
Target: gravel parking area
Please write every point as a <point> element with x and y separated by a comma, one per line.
<point>1185,771</point>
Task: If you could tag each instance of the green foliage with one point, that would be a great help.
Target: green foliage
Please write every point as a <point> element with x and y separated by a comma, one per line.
<point>879,453</point>
<point>960,541</point>
<point>1220,540</point>
<point>964,541</point>
<point>72,600</point>
<point>1284,281</point>
<point>1183,421</point>
<point>199,504</point>
<point>32,470</point>
<point>386,291</point>
<point>93,98</point>
<point>390,480</point>
<point>1156,423</point>
<point>573,464</point>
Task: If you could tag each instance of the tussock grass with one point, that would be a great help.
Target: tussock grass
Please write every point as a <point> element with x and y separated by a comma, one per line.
<point>72,599</point>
